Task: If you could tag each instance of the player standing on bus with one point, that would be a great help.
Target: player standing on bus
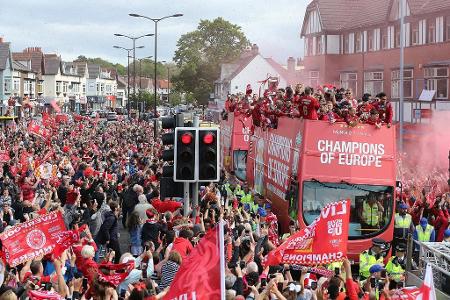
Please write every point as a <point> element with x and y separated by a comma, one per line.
<point>308,105</point>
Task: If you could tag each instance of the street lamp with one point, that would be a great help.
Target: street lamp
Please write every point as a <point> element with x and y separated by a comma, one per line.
<point>128,73</point>
<point>155,20</point>
<point>134,38</point>
<point>140,75</point>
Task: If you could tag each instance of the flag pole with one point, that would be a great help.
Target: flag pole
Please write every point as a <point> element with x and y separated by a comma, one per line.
<point>222,259</point>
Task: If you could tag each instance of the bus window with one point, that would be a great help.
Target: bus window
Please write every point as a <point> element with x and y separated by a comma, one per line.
<point>371,205</point>
<point>240,164</point>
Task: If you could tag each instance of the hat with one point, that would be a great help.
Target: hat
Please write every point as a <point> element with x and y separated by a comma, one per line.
<point>375,268</point>
<point>262,212</point>
<point>378,242</point>
<point>403,206</point>
<point>400,247</point>
<point>268,206</point>
<point>423,221</point>
<point>447,233</point>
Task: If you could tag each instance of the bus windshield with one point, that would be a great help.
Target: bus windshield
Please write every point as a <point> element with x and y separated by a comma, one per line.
<point>371,205</point>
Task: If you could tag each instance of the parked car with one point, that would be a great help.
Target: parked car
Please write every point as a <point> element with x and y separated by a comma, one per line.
<point>111,116</point>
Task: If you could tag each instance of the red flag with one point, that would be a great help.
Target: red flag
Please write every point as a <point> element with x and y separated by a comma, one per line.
<point>307,247</point>
<point>39,130</point>
<point>199,274</point>
<point>55,106</point>
<point>115,278</point>
<point>26,241</point>
<point>66,239</point>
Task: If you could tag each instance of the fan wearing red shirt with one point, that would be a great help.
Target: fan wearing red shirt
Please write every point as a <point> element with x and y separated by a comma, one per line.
<point>308,105</point>
<point>374,118</point>
<point>384,108</point>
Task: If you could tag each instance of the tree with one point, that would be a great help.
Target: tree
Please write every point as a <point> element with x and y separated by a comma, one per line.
<point>201,52</point>
<point>121,70</point>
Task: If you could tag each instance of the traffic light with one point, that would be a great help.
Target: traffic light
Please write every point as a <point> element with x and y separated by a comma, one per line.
<point>208,154</point>
<point>169,188</point>
<point>185,154</point>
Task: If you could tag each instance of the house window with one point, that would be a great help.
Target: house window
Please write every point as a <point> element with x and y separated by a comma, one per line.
<point>436,78</point>
<point>431,32</point>
<point>58,86</point>
<point>415,34</point>
<point>313,78</point>
<point>373,82</point>
<point>98,87</point>
<point>407,83</point>
<point>16,85</point>
<point>447,28</point>
<point>102,87</point>
<point>346,43</point>
<point>108,88</point>
<point>358,42</point>
<point>397,36</point>
<point>84,88</point>
<point>7,85</point>
<point>76,87</point>
<point>26,87</point>
<point>64,87</point>
<point>384,38</point>
<point>370,41</point>
<point>349,81</point>
<point>319,47</point>
<point>40,87</point>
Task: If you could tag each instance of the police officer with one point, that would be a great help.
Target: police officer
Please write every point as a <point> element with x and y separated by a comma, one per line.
<point>371,212</point>
<point>424,233</point>
<point>396,265</point>
<point>371,257</point>
<point>246,196</point>
<point>403,225</point>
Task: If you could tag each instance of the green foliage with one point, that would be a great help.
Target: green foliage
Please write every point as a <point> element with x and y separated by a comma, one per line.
<point>121,70</point>
<point>201,52</point>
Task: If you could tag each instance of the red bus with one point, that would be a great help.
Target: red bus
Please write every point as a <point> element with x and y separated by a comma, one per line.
<point>304,164</point>
<point>235,140</point>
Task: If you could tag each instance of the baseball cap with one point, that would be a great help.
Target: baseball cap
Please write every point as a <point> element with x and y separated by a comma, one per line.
<point>423,221</point>
<point>447,233</point>
<point>375,268</point>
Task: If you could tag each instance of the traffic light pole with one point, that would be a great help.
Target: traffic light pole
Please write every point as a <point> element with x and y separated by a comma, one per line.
<point>186,198</point>
<point>195,187</point>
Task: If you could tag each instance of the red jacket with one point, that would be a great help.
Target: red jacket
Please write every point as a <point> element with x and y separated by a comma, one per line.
<point>182,246</point>
<point>168,205</point>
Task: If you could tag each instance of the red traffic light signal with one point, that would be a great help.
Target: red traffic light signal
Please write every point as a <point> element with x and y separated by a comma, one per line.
<point>186,138</point>
<point>208,138</point>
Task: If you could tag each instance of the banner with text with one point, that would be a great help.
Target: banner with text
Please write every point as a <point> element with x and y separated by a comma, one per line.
<point>32,239</point>
<point>39,130</point>
<point>322,242</point>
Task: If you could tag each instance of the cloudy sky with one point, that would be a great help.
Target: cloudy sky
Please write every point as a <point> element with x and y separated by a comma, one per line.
<point>86,27</point>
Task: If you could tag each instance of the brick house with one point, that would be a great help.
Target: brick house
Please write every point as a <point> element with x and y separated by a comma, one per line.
<point>355,44</point>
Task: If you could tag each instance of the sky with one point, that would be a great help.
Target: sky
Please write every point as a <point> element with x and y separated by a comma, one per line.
<point>86,27</point>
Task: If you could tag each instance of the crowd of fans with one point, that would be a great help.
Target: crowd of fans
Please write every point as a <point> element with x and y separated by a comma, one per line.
<point>105,181</point>
<point>326,103</point>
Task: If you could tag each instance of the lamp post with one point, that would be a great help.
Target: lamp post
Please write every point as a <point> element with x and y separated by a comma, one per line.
<point>155,20</point>
<point>168,81</point>
<point>140,74</point>
<point>134,38</point>
<point>128,74</point>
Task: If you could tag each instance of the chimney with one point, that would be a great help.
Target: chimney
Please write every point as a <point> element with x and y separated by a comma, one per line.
<point>291,64</point>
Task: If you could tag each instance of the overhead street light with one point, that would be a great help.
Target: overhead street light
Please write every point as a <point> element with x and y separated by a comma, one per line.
<point>155,20</point>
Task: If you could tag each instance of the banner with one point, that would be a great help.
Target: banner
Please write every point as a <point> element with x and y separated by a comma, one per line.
<point>116,273</point>
<point>4,156</point>
<point>199,274</point>
<point>31,239</point>
<point>39,130</point>
<point>322,242</point>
